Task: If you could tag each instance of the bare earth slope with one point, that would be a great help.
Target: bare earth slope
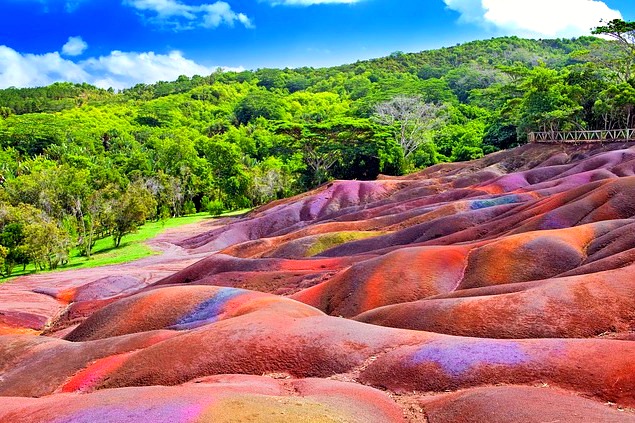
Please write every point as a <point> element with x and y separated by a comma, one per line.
<point>498,290</point>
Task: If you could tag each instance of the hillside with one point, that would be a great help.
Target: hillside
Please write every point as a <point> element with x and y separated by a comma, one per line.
<point>487,54</point>
<point>79,163</point>
<point>499,289</point>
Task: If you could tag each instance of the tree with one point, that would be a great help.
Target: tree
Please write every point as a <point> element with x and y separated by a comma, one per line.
<point>229,174</point>
<point>364,148</point>
<point>319,161</point>
<point>71,187</point>
<point>270,181</point>
<point>12,239</point>
<point>134,207</point>
<point>624,33</point>
<point>13,222</point>
<point>616,105</point>
<point>98,217</point>
<point>5,112</point>
<point>271,78</point>
<point>31,134</point>
<point>3,255</point>
<point>413,119</point>
<point>464,79</point>
<point>28,234</point>
<point>47,244</point>
<point>549,103</point>
<point>258,104</point>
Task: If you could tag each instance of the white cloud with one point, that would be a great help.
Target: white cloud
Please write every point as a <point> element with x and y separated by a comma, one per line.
<point>163,8</point>
<point>123,69</point>
<point>69,6</point>
<point>118,69</point>
<point>181,16</point>
<point>222,13</point>
<point>30,70</point>
<point>74,46</point>
<point>542,18</point>
<point>470,10</point>
<point>309,2</point>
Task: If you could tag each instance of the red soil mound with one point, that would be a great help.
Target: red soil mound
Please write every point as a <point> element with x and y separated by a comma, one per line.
<point>519,404</point>
<point>231,398</point>
<point>516,269</point>
<point>181,308</point>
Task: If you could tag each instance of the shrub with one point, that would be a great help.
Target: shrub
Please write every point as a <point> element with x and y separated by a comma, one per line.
<point>189,207</point>
<point>204,203</point>
<point>215,207</point>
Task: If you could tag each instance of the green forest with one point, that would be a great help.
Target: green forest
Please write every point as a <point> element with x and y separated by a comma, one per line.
<point>79,163</point>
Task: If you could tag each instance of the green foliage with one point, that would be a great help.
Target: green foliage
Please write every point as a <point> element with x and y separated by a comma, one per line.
<point>616,105</point>
<point>426,155</point>
<point>272,180</point>
<point>259,104</point>
<point>461,153</point>
<point>215,208</point>
<point>132,248</point>
<point>189,208</point>
<point>548,103</point>
<point>29,235</point>
<point>79,165</point>
<point>4,252</point>
<point>413,120</point>
<point>130,211</point>
<point>13,243</point>
<point>56,97</point>
<point>624,33</point>
<point>46,244</point>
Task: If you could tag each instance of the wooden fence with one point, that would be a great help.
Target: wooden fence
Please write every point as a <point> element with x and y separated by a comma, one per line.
<point>611,135</point>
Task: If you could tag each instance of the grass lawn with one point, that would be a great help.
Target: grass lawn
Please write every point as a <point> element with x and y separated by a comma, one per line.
<point>132,246</point>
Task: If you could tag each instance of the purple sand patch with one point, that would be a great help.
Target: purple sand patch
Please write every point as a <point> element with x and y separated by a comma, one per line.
<point>554,220</point>
<point>173,413</point>
<point>107,287</point>
<point>317,205</point>
<point>457,358</point>
<point>207,311</point>
<point>577,179</point>
<point>512,182</point>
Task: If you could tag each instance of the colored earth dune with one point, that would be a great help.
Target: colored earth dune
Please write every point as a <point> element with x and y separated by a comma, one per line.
<point>497,290</point>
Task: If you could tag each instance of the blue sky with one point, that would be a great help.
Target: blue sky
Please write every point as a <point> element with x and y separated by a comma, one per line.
<point>122,42</point>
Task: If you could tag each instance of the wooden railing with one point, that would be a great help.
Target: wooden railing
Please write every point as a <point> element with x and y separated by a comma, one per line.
<point>610,135</point>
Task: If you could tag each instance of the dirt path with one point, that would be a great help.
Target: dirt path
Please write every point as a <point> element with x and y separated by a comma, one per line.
<point>36,299</point>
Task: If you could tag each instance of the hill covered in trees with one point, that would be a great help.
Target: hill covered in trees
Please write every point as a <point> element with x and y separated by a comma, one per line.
<point>78,162</point>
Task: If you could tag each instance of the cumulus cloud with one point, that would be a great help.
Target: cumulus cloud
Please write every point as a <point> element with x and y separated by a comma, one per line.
<point>28,70</point>
<point>117,70</point>
<point>543,18</point>
<point>181,16</point>
<point>74,46</point>
<point>470,10</point>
